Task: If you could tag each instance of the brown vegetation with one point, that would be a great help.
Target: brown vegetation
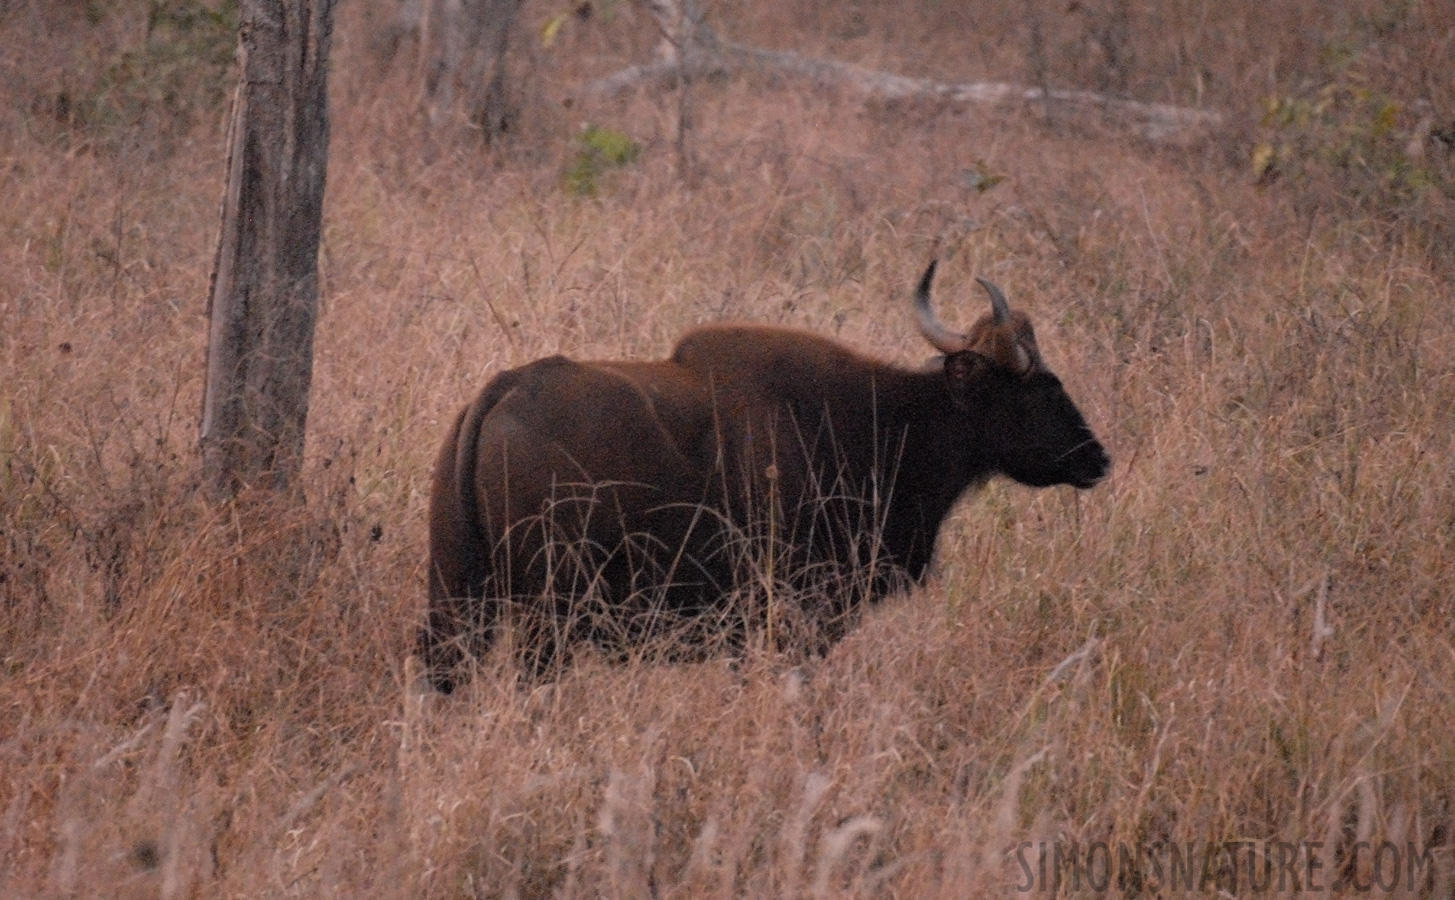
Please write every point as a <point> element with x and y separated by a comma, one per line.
<point>1245,634</point>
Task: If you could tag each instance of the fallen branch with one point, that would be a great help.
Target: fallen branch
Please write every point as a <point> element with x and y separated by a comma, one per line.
<point>691,50</point>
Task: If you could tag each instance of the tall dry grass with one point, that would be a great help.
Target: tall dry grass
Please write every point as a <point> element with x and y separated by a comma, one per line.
<point>1245,634</point>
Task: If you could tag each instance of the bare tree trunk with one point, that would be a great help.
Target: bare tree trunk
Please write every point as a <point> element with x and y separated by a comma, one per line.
<point>264,293</point>
<point>463,46</point>
<point>687,44</point>
<point>490,109</point>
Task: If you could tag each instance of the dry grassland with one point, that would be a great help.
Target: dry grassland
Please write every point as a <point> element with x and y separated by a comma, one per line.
<point>1245,634</point>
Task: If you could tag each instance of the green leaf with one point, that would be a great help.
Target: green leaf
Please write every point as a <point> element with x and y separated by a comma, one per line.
<point>981,178</point>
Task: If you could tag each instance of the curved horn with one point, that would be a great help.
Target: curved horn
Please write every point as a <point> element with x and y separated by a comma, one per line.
<point>942,338</point>
<point>997,301</point>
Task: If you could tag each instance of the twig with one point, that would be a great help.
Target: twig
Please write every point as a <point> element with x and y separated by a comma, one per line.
<point>1322,629</point>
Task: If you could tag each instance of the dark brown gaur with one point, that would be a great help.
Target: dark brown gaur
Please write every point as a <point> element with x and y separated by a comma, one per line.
<point>611,501</point>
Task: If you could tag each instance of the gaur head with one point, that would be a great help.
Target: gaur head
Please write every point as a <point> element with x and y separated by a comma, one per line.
<point>1022,422</point>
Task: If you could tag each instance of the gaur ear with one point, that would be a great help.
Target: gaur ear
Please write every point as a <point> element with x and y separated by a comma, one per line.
<point>963,369</point>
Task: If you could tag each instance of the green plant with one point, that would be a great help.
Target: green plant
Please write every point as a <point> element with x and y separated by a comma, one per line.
<point>178,71</point>
<point>1347,129</point>
<point>597,151</point>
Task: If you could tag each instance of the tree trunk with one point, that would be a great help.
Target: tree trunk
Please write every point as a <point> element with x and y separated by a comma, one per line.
<point>263,300</point>
<point>463,47</point>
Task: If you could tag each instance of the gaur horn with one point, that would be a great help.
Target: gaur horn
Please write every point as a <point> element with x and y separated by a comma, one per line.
<point>941,337</point>
<point>997,301</point>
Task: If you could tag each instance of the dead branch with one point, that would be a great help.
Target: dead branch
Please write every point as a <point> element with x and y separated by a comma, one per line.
<point>691,49</point>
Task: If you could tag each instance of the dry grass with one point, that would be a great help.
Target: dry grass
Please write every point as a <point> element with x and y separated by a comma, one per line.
<point>1246,634</point>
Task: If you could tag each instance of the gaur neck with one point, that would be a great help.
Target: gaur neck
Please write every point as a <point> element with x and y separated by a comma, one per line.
<point>931,443</point>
